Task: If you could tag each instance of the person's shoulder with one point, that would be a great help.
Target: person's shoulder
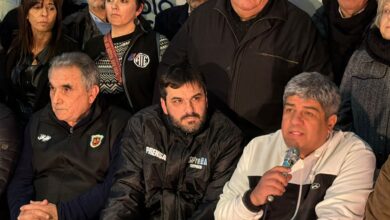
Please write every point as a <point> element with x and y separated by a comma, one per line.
<point>76,17</point>
<point>41,116</point>
<point>152,112</point>
<point>173,12</point>
<point>267,139</point>
<point>219,119</point>
<point>350,142</point>
<point>296,14</point>
<point>359,58</point>
<point>94,46</point>
<point>206,9</point>
<point>149,118</point>
<point>68,44</point>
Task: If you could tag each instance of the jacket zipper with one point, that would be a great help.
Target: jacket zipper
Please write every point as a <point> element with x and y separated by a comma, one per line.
<point>124,58</point>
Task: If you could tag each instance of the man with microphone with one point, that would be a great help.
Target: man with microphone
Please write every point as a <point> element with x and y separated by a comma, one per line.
<point>331,178</point>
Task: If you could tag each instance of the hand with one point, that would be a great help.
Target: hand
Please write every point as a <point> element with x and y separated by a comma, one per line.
<point>38,210</point>
<point>273,182</point>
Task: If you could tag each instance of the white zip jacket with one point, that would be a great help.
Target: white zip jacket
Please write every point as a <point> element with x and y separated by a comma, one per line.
<point>333,182</point>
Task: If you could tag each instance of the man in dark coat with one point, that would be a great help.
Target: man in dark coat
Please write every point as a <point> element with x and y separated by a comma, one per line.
<point>176,156</point>
<point>343,24</point>
<point>248,50</point>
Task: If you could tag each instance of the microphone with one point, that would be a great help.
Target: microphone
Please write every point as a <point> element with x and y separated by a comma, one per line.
<point>291,157</point>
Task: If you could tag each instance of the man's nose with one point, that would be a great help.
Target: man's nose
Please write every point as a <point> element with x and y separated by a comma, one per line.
<point>56,97</point>
<point>189,107</point>
<point>296,118</point>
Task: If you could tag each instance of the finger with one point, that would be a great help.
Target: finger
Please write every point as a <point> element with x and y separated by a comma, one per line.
<point>43,202</point>
<point>281,169</point>
<point>274,186</point>
<point>277,176</point>
<point>40,207</point>
<point>33,214</point>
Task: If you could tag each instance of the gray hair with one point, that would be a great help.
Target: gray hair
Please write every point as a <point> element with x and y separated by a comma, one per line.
<point>89,71</point>
<point>313,85</point>
<point>378,17</point>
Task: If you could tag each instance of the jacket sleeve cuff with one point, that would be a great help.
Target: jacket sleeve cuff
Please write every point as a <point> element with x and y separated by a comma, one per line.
<point>248,203</point>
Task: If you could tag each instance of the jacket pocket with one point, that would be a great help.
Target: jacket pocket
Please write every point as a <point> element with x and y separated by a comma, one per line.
<point>371,71</point>
<point>277,57</point>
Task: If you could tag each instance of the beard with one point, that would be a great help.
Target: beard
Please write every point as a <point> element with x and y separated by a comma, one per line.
<point>193,126</point>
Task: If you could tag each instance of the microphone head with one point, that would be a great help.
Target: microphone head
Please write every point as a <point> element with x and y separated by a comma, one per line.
<point>292,156</point>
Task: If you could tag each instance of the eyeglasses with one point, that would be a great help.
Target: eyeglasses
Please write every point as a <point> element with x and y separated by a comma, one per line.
<point>386,12</point>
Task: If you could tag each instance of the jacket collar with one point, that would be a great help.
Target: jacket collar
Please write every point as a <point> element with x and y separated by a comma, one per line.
<point>92,115</point>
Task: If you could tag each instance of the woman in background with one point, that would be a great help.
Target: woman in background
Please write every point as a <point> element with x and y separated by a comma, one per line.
<point>365,87</point>
<point>27,61</point>
<point>127,57</point>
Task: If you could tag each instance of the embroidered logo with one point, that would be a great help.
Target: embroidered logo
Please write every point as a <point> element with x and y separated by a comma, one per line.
<point>141,60</point>
<point>315,186</point>
<point>44,137</point>
<point>155,153</point>
<point>197,163</point>
<point>96,140</point>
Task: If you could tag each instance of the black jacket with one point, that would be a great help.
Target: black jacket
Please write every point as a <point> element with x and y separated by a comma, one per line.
<point>81,27</point>
<point>167,174</point>
<point>169,21</point>
<point>16,80</point>
<point>249,76</point>
<point>72,167</point>
<point>138,80</point>
<point>9,149</point>
<point>343,35</point>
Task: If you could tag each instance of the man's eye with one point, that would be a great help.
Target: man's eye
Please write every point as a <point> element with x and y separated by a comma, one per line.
<point>177,101</point>
<point>308,114</point>
<point>67,89</point>
<point>196,98</point>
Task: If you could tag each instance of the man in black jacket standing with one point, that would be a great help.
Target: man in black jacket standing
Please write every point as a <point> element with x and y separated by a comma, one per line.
<point>343,24</point>
<point>87,23</point>
<point>67,162</point>
<point>175,157</point>
<point>248,50</point>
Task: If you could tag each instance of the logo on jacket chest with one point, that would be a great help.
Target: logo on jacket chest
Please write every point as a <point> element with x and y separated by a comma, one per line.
<point>140,59</point>
<point>197,162</point>
<point>96,140</point>
<point>43,137</point>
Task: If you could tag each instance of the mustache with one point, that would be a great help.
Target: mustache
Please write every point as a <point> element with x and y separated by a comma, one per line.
<point>190,115</point>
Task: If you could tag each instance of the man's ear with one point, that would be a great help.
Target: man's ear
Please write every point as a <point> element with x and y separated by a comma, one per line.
<point>163,106</point>
<point>93,92</point>
<point>332,120</point>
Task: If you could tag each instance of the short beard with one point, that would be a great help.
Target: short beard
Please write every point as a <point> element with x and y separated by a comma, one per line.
<point>190,129</point>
